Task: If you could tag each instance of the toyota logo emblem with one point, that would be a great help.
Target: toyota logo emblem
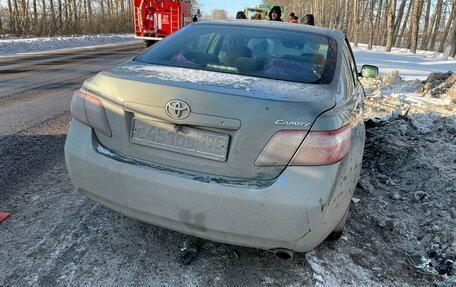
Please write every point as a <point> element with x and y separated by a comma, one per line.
<point>177,109</point>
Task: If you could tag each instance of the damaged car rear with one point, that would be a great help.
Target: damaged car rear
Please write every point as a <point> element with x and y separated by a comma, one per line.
<point>243,132</point>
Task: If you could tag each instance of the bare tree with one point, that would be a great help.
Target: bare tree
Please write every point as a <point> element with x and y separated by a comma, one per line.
<point>384,23</point>
<point>67,13</point>
<point>426,29</point>
<point>347,16</point>
<point>452,39</point>
<point>400,36</point>
<point>364,14</point>
<point>17,21</point>
<point>53,18</point>
<point>356,21</point>
<point>446,32</point>
<point>390,25</point>
<point>400,14</point>
<point>25,17</point>
<point>436,25</point>
<point>102,7</point>
<point>378,20</point>
<point>60,15</point>
<point>341,16</point>
<point>371,24</point>
<point>12,24</point>
<point>414,25</point>
<point>35,12</point>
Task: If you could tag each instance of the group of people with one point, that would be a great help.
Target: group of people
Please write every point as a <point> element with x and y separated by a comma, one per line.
<point>276,13</point>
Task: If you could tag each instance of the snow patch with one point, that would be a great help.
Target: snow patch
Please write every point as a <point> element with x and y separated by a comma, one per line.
<point>321,275</point>
<point>256,87</point>
<point>411,66</point>
<point>30,45</point>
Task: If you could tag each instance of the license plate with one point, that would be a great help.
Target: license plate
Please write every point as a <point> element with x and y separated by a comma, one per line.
<point>180,139</point>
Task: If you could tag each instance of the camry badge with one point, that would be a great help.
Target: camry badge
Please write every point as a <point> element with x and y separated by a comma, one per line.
<point>291,123</point>
<point>177,109</point>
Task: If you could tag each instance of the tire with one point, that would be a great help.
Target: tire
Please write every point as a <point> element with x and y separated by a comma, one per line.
<point>336,234</point>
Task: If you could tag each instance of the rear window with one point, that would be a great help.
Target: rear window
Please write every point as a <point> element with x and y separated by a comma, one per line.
<point>252,51</point>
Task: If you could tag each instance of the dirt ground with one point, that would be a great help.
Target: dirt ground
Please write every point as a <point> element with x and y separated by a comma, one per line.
<point>402,226</point>
<point>406,213</point>
<point>401,230</point>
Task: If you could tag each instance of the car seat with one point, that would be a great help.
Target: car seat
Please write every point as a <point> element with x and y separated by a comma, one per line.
<point>236,52</point>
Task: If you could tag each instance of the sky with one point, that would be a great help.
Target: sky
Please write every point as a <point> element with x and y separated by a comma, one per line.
<point>231,6</point>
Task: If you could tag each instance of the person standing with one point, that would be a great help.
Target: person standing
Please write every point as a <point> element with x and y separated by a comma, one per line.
<point>308,19</point>
<point>293,18</point>
<point>240,15</point>
<point>149,21</point>
<point>275,14</point>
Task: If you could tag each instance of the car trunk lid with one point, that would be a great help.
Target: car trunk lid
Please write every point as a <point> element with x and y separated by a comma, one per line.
<point>201,121</point>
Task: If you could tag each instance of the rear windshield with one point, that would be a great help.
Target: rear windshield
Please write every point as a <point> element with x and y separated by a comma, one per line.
<point>252,51</point>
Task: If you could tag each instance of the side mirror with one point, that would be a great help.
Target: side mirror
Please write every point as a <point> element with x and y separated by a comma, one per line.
<point>369,71</point>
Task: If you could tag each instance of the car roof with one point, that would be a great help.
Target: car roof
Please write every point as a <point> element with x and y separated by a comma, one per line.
<point>277,25</point>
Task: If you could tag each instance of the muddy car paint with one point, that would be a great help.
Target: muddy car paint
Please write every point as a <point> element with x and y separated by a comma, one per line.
<point>233,200</point>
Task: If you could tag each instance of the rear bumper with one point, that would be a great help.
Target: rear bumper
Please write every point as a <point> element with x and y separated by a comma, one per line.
<point>296,212</point>
<point>149,38</point>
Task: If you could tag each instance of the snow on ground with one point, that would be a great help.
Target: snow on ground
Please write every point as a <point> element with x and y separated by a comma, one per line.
<point>410,66</point>
<point>29,45</point>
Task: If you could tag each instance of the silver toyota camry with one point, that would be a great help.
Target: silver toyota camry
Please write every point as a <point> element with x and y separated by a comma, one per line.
<point>244,132</point>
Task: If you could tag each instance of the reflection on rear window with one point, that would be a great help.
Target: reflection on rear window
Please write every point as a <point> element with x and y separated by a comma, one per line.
<point>252,51</point>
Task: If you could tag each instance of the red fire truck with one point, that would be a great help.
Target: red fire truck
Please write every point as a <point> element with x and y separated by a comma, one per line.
<point>156,19</point>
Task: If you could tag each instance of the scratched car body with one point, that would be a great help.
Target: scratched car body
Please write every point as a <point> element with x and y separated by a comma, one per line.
<point>244,132</point>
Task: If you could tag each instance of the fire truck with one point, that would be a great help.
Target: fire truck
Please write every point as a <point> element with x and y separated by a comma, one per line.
<point>156,19</point>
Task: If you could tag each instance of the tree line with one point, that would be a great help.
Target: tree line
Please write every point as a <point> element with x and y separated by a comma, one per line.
<point>65,17</point>
<point>412,24</point>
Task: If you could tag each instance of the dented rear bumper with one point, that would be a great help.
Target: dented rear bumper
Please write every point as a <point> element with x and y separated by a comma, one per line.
<point>297,211</point>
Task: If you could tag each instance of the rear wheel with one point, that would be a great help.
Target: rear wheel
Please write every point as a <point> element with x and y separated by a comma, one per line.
<point>336,234</point>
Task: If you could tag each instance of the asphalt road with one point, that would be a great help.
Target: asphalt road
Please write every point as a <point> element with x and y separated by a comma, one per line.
<point>57,237</point>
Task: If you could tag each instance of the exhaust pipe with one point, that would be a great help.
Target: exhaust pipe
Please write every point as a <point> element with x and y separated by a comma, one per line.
<point>282,253</point>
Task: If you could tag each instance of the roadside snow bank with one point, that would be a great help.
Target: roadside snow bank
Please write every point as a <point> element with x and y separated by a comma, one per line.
<point>412,66</point>
<point>437,94</point>
<point>29,45</point>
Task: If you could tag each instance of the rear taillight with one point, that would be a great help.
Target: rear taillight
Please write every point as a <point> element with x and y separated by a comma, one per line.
<point>90,111</point>
<point>318,148</point>
<point>280,148</point>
